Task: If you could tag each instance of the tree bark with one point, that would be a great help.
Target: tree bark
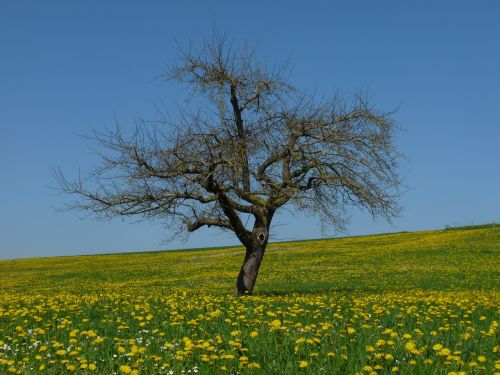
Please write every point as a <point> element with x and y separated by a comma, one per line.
<point>255,250</point>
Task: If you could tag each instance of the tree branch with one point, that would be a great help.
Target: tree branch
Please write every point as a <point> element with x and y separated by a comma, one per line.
<point>209,222</point>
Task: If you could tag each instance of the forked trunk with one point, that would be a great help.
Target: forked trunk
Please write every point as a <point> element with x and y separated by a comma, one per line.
<point>253,258</point>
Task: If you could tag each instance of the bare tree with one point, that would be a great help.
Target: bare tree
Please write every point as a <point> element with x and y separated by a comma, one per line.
<point>255,145</point>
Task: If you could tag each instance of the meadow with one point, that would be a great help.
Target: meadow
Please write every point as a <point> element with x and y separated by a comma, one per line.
<point>407,303</point>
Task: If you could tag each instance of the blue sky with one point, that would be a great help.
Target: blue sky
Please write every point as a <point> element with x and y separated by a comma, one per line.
<point>69,67</point>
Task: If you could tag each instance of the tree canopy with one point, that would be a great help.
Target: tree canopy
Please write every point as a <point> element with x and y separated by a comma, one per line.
<point>255,144</point>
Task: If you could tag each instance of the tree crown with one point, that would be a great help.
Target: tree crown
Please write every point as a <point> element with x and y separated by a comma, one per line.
<point>258,145</point>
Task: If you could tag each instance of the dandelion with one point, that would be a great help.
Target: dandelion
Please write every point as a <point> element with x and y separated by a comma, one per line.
<point>437,347</point>
<point>125,369</point>
<point>303,364</point>
<point>410,346</point>
<point>444,352</point>
<point>275,324</point>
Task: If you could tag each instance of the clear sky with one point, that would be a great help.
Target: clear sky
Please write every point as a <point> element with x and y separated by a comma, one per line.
<point>67,67</point>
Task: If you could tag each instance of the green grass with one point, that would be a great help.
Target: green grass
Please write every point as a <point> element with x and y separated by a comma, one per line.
<point>358,304</point>
<point>472,227</point>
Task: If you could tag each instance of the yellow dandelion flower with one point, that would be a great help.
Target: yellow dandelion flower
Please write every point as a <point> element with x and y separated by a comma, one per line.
<point>410,345</point>
<point>437,347</point>
<point>275,324</point>
<point>125,369</point>
<point>303,364</point>
<point>444,352</point>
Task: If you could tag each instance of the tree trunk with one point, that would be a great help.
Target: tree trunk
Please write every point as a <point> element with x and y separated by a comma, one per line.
<point>250,269</point>
<point>253,258</point>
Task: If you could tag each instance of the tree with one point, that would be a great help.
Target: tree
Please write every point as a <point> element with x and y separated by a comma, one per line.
<point>255,145</point>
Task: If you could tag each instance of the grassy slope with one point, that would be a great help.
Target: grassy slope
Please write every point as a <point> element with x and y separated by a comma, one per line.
<point>437,260</point>
<point>435,287</point>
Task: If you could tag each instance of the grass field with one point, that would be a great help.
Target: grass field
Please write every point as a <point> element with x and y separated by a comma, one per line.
<point>408,303</point>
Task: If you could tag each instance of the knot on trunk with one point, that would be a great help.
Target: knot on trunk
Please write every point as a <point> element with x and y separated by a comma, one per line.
<point>260,236</point>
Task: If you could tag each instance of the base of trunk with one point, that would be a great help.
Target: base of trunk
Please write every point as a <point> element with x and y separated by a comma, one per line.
<point>250,269</point>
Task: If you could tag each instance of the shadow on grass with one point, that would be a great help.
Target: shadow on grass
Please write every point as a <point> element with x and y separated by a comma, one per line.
<point>316,291</point>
